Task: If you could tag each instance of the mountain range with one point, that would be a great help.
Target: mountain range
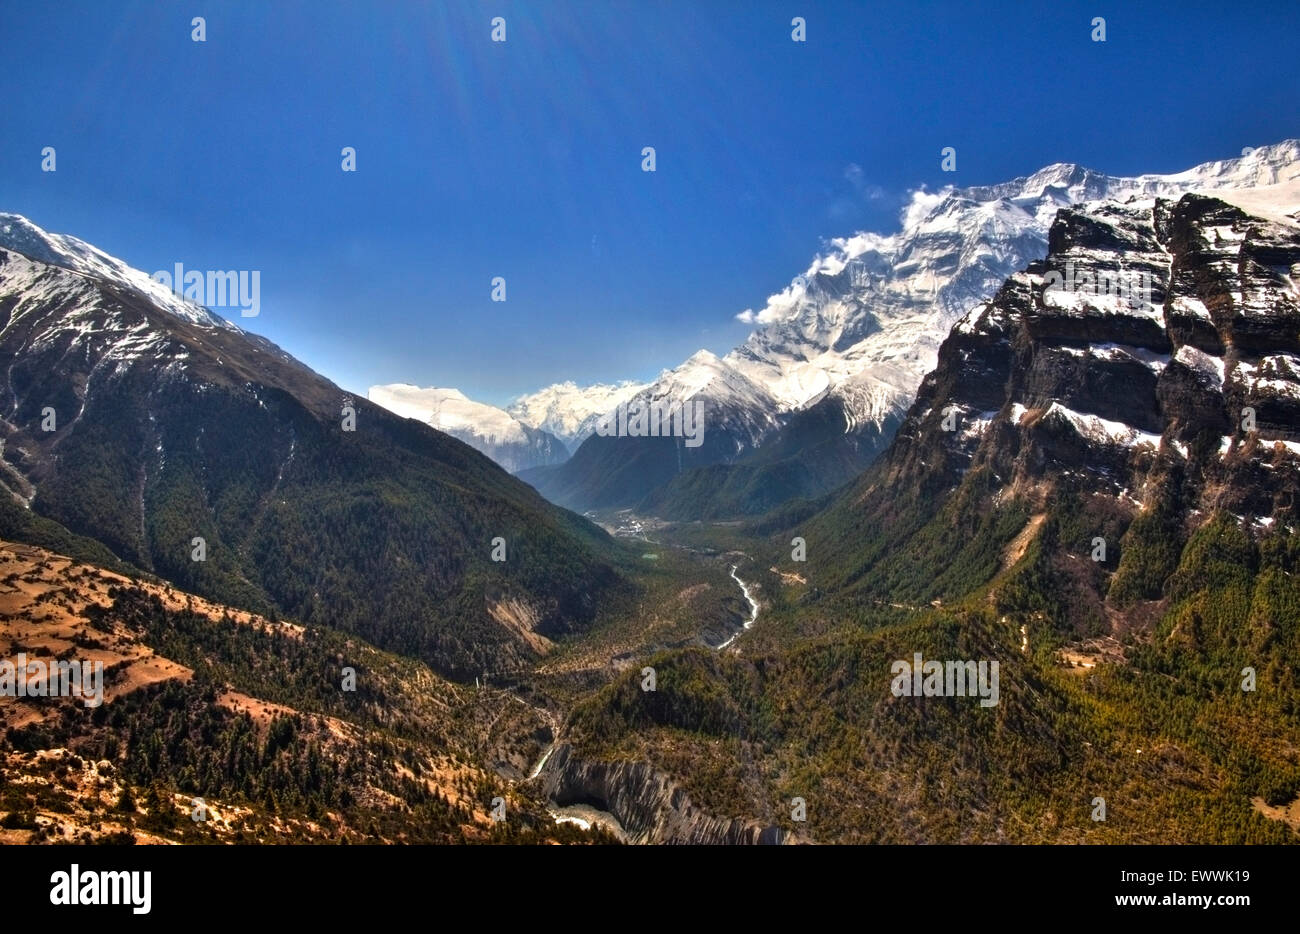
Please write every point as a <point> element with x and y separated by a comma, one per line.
<point>1097,490</point>
<point>487,429</point>
<point>1096,486</point>
<point>570,411</point>
<point>839,355</point>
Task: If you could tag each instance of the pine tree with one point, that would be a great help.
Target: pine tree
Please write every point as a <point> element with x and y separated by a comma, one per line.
<point>126,801</point>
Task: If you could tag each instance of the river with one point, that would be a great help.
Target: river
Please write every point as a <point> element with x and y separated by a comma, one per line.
<point>753,606</point>
<point>584,815</point>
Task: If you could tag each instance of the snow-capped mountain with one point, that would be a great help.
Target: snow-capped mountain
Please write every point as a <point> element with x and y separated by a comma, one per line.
<point>873,309</point>
<point>737,405</point>
<point>19,234</point>
<point>1174,408</point>
<point>615,470</point>
<point>487,429</point>
<point>134,424</point>
<point>850,340</point>
<point>570,411</point>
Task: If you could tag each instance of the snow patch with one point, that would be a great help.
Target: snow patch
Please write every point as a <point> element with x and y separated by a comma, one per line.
<point>1102,430</point>
<point>1208,368</point>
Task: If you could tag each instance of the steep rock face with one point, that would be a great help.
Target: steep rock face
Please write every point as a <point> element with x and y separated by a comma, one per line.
<point>1183,400</point>
<point>876,305</point>
<point>651,807</point>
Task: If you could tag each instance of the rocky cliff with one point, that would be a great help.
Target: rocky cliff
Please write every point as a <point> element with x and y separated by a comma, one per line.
<point>1188,371</point>
<point>651,807</point>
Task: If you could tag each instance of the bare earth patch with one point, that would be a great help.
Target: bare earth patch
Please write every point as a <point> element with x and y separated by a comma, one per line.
<point>521,620</point>
<point>1017,547</point>
<point>1288,814</point>
<point>1082,657</point>
<point>43,599</point>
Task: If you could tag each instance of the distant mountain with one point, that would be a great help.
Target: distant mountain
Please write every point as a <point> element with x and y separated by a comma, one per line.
<point>852,338</point>
<point>485,428</point>
<point>568,411</point>
<point>618,471</point>
<point>810,454</point>
<point>143,422</point>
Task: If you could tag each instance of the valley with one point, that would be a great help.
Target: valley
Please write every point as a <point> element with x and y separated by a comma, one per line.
<point>385,637</point>
<point>1128,672</point>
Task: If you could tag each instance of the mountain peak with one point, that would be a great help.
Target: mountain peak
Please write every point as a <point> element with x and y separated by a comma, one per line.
<point>889,300</point>
<point>702,358</point>
<point>569,411</point>
<point>21,235</point>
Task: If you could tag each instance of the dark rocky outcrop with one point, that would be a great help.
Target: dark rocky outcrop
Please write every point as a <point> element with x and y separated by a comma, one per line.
<point>651,807</point>
<point>1107,387</point>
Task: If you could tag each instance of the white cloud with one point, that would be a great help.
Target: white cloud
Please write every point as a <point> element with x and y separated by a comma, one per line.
<point>857,178</point>
<point>838,252</point>
<point>922,203</point>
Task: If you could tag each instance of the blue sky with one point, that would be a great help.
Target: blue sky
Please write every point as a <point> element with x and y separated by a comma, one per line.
<point>523,159</point>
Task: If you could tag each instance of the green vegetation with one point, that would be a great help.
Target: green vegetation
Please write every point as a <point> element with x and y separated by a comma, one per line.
<point>1167,737</point>
<point>383,763</point>
<point>385,532</point>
